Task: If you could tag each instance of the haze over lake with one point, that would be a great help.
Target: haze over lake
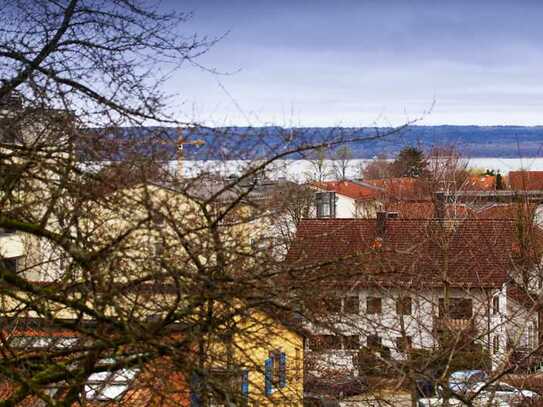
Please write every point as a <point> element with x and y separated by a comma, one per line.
<point>303,169</point>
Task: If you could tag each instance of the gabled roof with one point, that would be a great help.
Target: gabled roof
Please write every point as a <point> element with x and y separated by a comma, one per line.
<point>523,298</point>
<point>426,210</point>
<point>350,251</point>
<point>526,180</point>
<point>506,211</point>
<point>479,183</point>
<point>351,189</point>
<point>402,188</point>
<point>157,385</point>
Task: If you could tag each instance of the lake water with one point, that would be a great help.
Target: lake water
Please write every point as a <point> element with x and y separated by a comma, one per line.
<point>300,170</point>
<point>304,169</point>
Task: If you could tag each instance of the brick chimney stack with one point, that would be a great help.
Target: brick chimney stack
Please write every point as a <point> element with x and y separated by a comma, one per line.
<point>381,224</point>
<point>439,205</point>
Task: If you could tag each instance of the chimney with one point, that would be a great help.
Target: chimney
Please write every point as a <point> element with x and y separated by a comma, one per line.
<point>439,205</point>
<point>381,224</point>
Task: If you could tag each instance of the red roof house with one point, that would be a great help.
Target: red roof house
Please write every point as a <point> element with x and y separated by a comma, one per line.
<point>402,251</point>
<point>526,180</point>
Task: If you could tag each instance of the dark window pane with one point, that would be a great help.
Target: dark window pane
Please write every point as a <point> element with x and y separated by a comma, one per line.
<point>495,305</point>
<point>373,305</point>
<point>333,304</point>
<point>325,342</point>
<point>459,308</point>
<point>374,341</point>
<point>403,306</point>
<point>10,264</point>
<point>351,342</point>
<point>351,305</point>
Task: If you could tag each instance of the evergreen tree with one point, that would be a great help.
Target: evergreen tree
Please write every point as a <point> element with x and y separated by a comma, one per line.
<point>410,162</point>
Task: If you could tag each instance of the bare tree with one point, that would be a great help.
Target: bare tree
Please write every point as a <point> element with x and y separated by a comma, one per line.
<point>342,162</point>
<point>112,265</point>
<point>319,164</point>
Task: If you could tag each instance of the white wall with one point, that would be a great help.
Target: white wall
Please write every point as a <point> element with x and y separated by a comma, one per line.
<point>511,319</point>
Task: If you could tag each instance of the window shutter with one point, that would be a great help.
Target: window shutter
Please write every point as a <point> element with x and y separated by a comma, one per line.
<point>245,385</point>
<point>332,197</point>
<point>282,370</point>
<point>268,372</point>
<point>196,390</point>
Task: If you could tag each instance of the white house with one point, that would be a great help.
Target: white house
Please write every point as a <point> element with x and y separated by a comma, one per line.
<point>347,199</point>
<point>395,283</point>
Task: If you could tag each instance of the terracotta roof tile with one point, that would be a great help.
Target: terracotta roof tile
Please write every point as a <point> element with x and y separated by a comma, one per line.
<point>157,385</point>
<point>523,298</point>
<point>479,183</point>
<point>350,189</point>
<point>343,251</point>
<point>402,188</point>
<point>526,180</point>
<point>426,210</point>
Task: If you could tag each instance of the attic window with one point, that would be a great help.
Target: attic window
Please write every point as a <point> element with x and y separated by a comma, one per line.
<point>42,342</point>
<point>109,384</point>
<point>325,203</point>
<point>10,264</point>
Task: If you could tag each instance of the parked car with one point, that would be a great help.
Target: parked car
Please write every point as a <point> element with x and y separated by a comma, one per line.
<point>463,381</point>
<point>491,395</point>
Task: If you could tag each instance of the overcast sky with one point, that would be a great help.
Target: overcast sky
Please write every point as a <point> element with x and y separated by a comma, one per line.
<point>360,63</point>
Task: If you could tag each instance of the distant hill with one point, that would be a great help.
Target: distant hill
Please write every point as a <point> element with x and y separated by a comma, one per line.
<point>244,143</point>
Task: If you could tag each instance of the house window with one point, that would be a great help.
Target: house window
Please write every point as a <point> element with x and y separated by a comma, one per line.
<point>325,342</point>
<point>531,336</point>
<point>158,248</point>
<point>459,308</point>
<point>495,305</point>
<point>403,306</point>
<point>43,342</point>
<point>275,356</point>
<point>333,304</point>
<point>109,385</point>
<point>158,219</point>
<point>325,203</point>
<point>351,342</point>
<point>298,363</point>
<point>373,305</point>
<point>403,343</point>
<point>373,341</point>
<point>496,344</point>
<point>10,264</point>
<point>351,305</point>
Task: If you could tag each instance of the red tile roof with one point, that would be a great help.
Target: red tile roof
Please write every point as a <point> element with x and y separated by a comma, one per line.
<point>350,189</point>
<point>402,188</point>
<point>479,183</point>
<point>157,385</point>
<point>526,180</point>
<point>349,251</point>
<point>506,211</point>
<point>426,210</point>
<point>523,298</point>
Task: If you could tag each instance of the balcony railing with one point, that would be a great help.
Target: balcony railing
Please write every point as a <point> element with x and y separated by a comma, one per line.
<point>454,325</point>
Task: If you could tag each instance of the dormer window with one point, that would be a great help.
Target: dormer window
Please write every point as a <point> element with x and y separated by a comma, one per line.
<point>325,203</point>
